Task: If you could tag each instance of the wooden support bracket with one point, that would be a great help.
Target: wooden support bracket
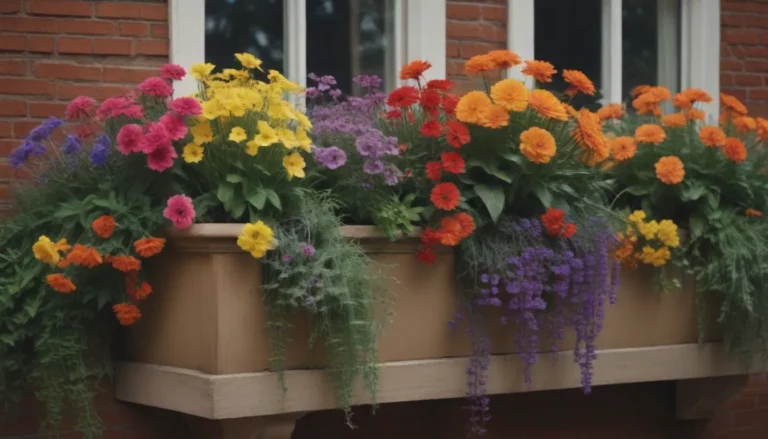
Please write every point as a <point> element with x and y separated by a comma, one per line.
<point>261,427</point>
<point>699,398</point>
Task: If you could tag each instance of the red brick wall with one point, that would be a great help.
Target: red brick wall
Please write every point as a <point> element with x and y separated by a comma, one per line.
<point>473,28</point>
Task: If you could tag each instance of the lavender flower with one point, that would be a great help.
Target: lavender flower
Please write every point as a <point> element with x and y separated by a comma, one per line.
<point>392,175</point>
<point>22,154</point>
<point>44,130</point>
<point>368,81</point>
<point>332,157</point>
<point>100,150</point>
<point>373,166</point>
<point>312,92</point>
<point>72,145</point>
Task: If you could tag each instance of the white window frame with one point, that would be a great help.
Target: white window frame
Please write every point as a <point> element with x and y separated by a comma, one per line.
<point>699,50</point>
<point>419,34</point>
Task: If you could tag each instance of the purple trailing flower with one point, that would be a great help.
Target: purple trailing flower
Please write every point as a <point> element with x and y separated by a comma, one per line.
<point>72,145</point>
<point>100,150</point>
<point>373,166</point>
<point>332,157</point>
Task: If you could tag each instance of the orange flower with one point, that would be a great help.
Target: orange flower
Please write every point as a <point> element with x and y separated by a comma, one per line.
<point>84,256</point>
<point>124,263</point>
<point>622,148</point>
<point>646,104</point>
<point>142,292</point>
<point>682,101</point>
<point>466,222</point>
<point>625,251</point>
<point>537,145</point>
<point>452,162</point>
<point>640,89</point>
<point>674,120</point>
<point>697,95</point>
<point>732,103</point>
<point>588,133</point>
<point>744,124</point>
<point>494,116</point>
<point>148,247</point>
<point>414,69</point>
<point>553,221</point>
<point>762,128</point>
<point>578,83</point>
<point>735,150</point>
<point>753,212</point>
<point>445,196</point>
<point>670,170</point>
<point>695,114</point>
<point>569,230</point>
<point>503,59</point>
<point>510,94</point>
<point>103,226</point>
<point>650,133</point>
<point>450,231</point>
<point>470,105</point>
<point>542,71</point>
<point>60,283</point>
<point>712,136</point>
<point>610,111</point>
<point>547,105</point>
<point>126,313</point>
<point>659,93</point>
<point>479,64</point>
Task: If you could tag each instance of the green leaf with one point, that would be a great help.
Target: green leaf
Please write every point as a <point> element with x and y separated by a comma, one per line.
<point>257,198</point>
<point>512,157</point>
<point>273,199</point>
<point>234,178</point>
<point>638,190</point>
<point>713,200</point>
<point>225,193</point>
<point>543,194</point>
<point>696,224</point>
<point>238,206</point>
<point>491,169</point>
<point>692,190</point>
<point>493,198</point>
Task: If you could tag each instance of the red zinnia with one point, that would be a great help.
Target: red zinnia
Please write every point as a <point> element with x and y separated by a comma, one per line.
<point>452,162</point>
<point>431,128</point>
<point>553,221</point>
<point>450,231</point>
<point>570,230</point>
<point>434,170</point>
<point>430,237</point>
<point>393,114</point>
<point>467,223</point>
<point>445,196</point>
<point>457,134</point>
<point>403,97</point>
<point>426,255</point>
<point>449,103</point>
<point>429,98</point>
<point>439,84</point>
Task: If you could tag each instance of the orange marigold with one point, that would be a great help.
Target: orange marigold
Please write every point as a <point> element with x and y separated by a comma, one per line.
<point>695,114</point>
<point>60,283</point>
<point>414,69</point>
<point>650,133</point>
<point>610,111</point>
<point>744,124</point>
<point>537,145</point>
<point>682,101</point>
<point>124,263</point>
<point>546,104</point>
<point>674,120</point>
<point>697,95</point>
<point>735,150</point>
<point>142,292</point>
<point>510,94</point>
<point>84,256</point>
<point>542,71</point>
<point>578,82</point>
<point>445,196</point>
<point>450,231</point>
<point>466,222</point>
<point>638,90</point>
<point>762,128</point>
<point>670,170</point>
<point>104,226</point>
<point>753,212</point>
<point>588,133</point>
<point>503,59</point>
<point>622,148</point>
<point>479,64</point>
<point>148,247</point>
<point>494,116</point>
<point>126,313</point>
<point>712,136</point>
<point>470,105</point>
<point>732,103</point>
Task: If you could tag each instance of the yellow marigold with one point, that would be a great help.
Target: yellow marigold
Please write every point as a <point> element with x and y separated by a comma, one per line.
<point>732,103</point>
<point>674,120</point>
<point>537,145</point>
<point>201,71</point>
<point>650,133</point>
<point>202,133</point>
<point>667,233</point>
<point>479,64</point>
<point>622,148</point>
<point>542,71</point>
<point>192,153</point>
<point>744,124</point>
<point>712,136</point>
<point>256,238</point>
<point>470,105</point>
<point>670,170</point>
<point>588,134</point>
<point>649,229</point>
<point>503,59</point>
<point>636,217</point>
<point>578,82</point>
<point>695,114</point>
<point>45,250</point>
<point>657,258</point>
<point>494,116</point>
<point>735,150</point>
<point>610,111</point>
<point>510,94</point>
<point>546,104</point>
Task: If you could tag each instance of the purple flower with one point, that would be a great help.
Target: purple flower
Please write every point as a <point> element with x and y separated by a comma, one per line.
<point>312,92</point>
<point>313,77</point>
<point>307,249</point>
<point>368,81</point>
<point>373,166</point>
<point>21,155</point>
<point>328,80</point>
<point>72,145</point>
<point>100,150</point>
<point>332,157</point>
<point>287,259</point>
<point>392,176</point>
<point>335,93</point>
<point>44,130</point>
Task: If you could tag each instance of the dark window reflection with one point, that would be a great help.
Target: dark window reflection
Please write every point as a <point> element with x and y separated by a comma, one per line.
<point>569,35</point>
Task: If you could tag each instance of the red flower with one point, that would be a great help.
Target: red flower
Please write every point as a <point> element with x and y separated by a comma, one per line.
<point>403,97</point>
<point>430,99</point>
<point>426,255</point>
<point>570,230</point>
<point>430,237</point>
<point>434,170</point>
<point>450,231</point>
<point>403,147</point>
<point>439,84</point>
<point>457,134</point>
<point>553,220</point>
<point>431,128</point>
<point>449,103</point>
<point>467,223</point>
<point>445,196</point>
<point>393,114</point>
<point>452,162</point>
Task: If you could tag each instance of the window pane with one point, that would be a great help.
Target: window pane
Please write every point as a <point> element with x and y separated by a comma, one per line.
<point>568,34</point>
<point>253,26</point>
<point>346,38</point>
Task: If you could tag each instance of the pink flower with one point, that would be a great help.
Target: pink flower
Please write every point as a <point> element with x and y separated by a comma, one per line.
<point>172,71</point>
<point>157,137</point>
<point>84,131</point>
<point>80,106</point>
<point>161,158</point>
<point>155,86</point>
<point>121,106</point>
<point>129,139</point>
<point>186,106</point>
<point>175,126</point>
<point>180,211</point>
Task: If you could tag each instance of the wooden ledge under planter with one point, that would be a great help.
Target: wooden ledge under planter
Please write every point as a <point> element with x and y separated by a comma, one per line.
<point>201,347</point>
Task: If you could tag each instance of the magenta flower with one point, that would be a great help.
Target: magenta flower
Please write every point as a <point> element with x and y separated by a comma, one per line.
<point>157,137</point>
<point>157,87</point>
<point>174,125</point>
<point>186,106</point>
<point>114,107</point>
<point>161,158</point>
<point>79,107</point>
<point>172,71</point>
<point>180,211</point>
<point>129,139</point>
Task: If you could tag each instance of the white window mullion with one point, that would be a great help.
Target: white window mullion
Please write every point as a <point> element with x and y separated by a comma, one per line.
<point>187,39</point>
<point>668,52</point>
<point>703,45</point>
<point>425,34</point>
<point>520,32</point>
<point>396,23</point>
<point>295,44</point>
<point>611,52</point>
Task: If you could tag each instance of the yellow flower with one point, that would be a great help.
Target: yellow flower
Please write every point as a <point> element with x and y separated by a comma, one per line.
<point>192,153</point>
<point>649,229</point>
<point>248,61</point>
<point>281,81</point>
<point>657,258</point>
<point>510,94</point>
<point>287,138</point>
<point>256,238</point>
<point>235,106</point>
<point>668,233</point>
<point>294,165</point>
<point>266,136</point>
<point>637,217</point>
<point>201,71</point>
<point>237,135</point>
<point>303,139</point>
<point>202,133</point>
<point>279,109</point>
<point>213,109</point>
<point>304,121</point>
<point>252,147</point>
<point>45,250</point>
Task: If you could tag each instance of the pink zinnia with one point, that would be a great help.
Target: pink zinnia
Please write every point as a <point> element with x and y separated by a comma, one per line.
<point>157,87</point>
<point>186,106</point>
<point>161,158</point>
<point>80,106</point>
<point>180,211</point>
<point>172,71</point>
<point>175,126</point>
<point>129,139</point>
<point>156,137</point>
<point>121,106</point>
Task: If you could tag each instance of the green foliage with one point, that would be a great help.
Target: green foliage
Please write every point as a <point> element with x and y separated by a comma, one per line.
<point>397,217</point>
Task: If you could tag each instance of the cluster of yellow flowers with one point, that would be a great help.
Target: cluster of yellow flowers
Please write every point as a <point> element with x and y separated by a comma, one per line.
<point>659,237</point>
<point>257,238</point>
<point>249,109</point>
